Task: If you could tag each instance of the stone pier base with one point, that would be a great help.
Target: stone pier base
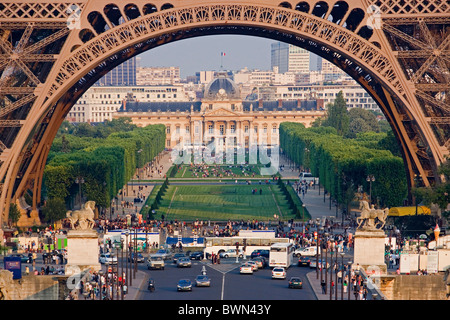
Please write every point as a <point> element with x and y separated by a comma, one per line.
<point>369,251</point>
<point>82,251</point>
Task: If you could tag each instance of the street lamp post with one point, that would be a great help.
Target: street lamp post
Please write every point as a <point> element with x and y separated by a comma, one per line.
<point>342,276</point>
<point>370,178</point>
<point>331,274</point>
<point>100,275</point>
<point>321,254</point>
<point>349,275</point>
<point>317,247</point>
<point>326,262</point>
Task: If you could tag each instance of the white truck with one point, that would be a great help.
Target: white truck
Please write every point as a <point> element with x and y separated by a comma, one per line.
<point>306,252</point>
<point>307,177</point>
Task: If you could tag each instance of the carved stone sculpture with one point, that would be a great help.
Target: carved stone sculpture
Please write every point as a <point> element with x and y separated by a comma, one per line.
<point>82,219</point>
<point>7,287</point>
<point>371,218</point>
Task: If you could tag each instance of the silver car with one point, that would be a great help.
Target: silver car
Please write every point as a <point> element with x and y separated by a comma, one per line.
<point>184,262</point>
<point>202,281</point>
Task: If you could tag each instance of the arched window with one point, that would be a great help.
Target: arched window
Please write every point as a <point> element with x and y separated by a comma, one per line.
<point>354,19</point>
<point>338,12</point>
<point>149,8</point>
<point>166,6</point>
<point>302,6</point>
<point>113,14</point>
<point>320,9</point>
<point>96,20</point>
<point>131,11</point>
<point>285,5</point>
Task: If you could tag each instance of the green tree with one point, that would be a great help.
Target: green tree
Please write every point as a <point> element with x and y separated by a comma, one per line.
<point>361,120</point>
<point>14,213</point>
<point>54,210</point>
<point>337,115</point>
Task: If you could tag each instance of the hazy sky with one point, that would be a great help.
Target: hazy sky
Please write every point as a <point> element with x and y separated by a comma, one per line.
<point>203,53</point>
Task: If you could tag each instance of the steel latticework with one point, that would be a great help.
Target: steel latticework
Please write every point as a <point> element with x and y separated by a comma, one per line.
<point>52,51</point>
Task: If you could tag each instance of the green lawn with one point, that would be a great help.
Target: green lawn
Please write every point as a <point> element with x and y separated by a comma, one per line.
<point>223,202</point>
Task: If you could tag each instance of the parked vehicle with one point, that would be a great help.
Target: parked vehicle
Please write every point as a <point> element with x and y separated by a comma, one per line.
<point>231,253</point>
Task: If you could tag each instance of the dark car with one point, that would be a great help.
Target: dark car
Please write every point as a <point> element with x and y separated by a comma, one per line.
<point>261,262</point>
<point>177,256</point>
<point>197,255</point>
<point>184,285</point>
<point>295,283</point>
<point>23,258</point>
<point>304,261</point>
<point>260,252</point>
<point>139,257</point>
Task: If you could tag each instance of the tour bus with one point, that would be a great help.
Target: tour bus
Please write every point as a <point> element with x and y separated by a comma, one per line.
<point>281,255</point>
<point>217,245</point>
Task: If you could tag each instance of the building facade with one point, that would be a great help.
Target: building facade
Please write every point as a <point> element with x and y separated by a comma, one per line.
<point>99,103</point>
<point>222,118</point>
<point>157,76</point>
<point>122,75</point>
<point>290,58</point>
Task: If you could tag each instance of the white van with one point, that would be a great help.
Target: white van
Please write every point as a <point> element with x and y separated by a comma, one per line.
<point>307,177</point>
<point>306,252</point>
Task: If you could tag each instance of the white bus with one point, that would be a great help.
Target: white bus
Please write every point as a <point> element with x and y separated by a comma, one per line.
<point>222,244</point>
<point>281,255</point>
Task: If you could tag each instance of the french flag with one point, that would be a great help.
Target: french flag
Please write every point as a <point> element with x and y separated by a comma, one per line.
<point>222,54</point>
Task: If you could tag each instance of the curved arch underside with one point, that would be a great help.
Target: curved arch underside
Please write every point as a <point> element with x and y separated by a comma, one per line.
<point>52,63</point>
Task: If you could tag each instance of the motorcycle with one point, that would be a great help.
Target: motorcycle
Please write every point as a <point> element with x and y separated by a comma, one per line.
<point>151,285</point>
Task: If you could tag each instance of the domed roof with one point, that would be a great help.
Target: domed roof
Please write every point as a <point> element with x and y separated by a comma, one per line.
<point>222,88</point>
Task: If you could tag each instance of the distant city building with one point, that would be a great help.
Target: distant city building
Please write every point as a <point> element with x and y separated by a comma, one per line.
<point>99,103</point>
<point>222,117</point>
<point>289,58</point>
<point>154,76</point>
<point>330,71</point>
<point>122,75</point>
<point>355,96</point>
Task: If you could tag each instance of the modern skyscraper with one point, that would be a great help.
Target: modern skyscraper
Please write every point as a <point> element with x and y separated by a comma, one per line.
<point>289,58</point>
<point>123,75</point>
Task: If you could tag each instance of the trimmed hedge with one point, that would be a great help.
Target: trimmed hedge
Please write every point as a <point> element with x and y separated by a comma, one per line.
<point>343,163</point>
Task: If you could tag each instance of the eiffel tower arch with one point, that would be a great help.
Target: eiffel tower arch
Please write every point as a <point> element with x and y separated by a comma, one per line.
<point>51,51</point>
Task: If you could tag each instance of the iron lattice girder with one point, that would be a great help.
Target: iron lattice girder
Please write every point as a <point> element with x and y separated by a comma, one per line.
<point>81,60</point>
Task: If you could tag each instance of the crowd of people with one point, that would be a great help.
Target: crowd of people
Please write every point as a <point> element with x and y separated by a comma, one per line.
<point>105,286</point>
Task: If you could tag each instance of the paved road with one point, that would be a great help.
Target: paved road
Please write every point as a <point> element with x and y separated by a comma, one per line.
<point>226,283</point>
